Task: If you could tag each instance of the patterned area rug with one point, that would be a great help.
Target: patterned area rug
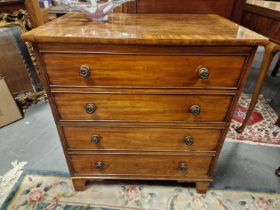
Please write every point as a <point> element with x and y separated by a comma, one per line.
<point>10,178</point>
<point>49,192</point>
<point>261,128</point>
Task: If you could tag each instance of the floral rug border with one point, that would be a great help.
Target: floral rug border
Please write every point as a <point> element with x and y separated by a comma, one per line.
<point>26,172</point>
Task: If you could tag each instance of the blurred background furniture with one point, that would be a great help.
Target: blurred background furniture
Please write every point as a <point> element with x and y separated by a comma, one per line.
<point>17,64</point>
<point>34,10</point>
<point>264,18</point>
<point>10,6</point>
<point>231,9</point>
<point>38,16</point>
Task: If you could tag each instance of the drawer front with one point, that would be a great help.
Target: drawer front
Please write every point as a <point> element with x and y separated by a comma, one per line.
<point>156,165</point>
<point>143,70</point>
<point>142,108</point>
<point>141,139</point>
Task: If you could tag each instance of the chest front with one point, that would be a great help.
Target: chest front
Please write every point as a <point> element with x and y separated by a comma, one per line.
<point>132,104</point>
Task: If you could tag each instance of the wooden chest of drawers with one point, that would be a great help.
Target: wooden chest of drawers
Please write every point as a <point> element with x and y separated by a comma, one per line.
<point>145,97</point>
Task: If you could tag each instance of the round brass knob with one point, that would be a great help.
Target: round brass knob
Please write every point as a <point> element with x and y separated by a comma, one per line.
<point>203,73</point>
<point>183,166</point>
<point>95,139</point>
<point>99,165</point>
<point>195,110</point>
<point>90,108</point>
<point>189,140</point>
<point>84,71</point>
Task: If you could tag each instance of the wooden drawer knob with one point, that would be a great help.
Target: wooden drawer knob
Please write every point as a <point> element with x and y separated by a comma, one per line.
<point>84,71</point>
<point>183,166</point>
<point>90,108</point>
<point>189,140</point>
<point>99,165</point>
<point>195,110</point>
<point>203,73</point>
<point>95,139</point>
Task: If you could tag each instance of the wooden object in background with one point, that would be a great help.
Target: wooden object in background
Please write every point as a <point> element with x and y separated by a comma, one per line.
<point>264,18</point>
<point>9,112</point>
<point>17,66</point>
<point>47,16</point>
<point>147,121</point>
<point>15,60</point>
<point>34,10</point>
<point>10,6</point>
<point>12,63</point>
<point>270,50</point>
<point>231,9</point>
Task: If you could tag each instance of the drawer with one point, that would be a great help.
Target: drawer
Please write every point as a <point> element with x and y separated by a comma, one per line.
<point>143,70</point>
<point>141,139</point>
<point>142,108</point>
<point>130,164</point>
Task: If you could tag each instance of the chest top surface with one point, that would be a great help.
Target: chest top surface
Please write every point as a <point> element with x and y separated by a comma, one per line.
<point>170,29</point>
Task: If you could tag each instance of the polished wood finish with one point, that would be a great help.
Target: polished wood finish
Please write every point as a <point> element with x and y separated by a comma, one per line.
<point>141,165</point>
<point>231,9</point>
<point>133,115</point>
<point>140,29</point>
<point>142,107</point>
<point>146,139</point>
<point>156,71</point>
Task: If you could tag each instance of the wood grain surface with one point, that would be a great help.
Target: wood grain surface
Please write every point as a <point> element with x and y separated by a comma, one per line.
<point>143,70</point>
<point>141,107</point>
<point>197,166</point>
<point>141,139</point>
<point>164,29</point>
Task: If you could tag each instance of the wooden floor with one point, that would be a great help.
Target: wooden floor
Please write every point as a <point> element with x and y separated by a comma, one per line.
<point>34,139</point>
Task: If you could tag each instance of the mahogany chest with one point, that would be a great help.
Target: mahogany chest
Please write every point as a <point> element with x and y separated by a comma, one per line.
<point>143,97</point>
